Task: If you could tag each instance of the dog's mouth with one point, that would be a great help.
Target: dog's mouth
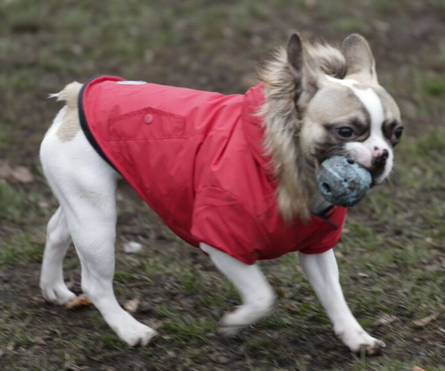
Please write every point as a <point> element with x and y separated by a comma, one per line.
<point>377,169</point>
<point>376,172</point>
<point>339,150</point>
<point>377,180</point>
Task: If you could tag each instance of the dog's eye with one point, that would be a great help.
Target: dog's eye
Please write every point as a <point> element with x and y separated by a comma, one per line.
<point>345,132</point>
<point>395,138</point>
<point>398,133</point>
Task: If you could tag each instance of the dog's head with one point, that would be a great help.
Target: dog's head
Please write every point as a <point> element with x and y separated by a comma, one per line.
<point>322,101</point>
<point>352,115</point>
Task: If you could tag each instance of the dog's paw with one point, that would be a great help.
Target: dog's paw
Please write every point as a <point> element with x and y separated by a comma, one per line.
<point>229,331</point>
<point>374,348</point>
<point>359,341</point>
<point>233,322</point>
<point>245,315</point>
<point>57,294</point>
<point>136,334</point>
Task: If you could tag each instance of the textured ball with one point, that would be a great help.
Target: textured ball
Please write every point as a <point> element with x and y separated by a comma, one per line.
<point>342,181</point>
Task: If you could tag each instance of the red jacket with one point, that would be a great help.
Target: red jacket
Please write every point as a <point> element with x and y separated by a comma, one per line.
<point>196,158</point>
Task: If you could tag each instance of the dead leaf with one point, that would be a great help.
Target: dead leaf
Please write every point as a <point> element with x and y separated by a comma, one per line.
<point>5,170</point>
<point>293,307</point>
<point>107,368</point>
<point>78,302</point>
<point>11,347</point>
<point>417,368</point>
<point>385,320</point>
<point>132,247</point>
<point>338,254</point>
<point>427,320</point>
<point>44,205</point>
<point>18,174</point>
<point>22,174</point>
<point>39,340</point>
<point>132,305</point>
<point>219,358</point>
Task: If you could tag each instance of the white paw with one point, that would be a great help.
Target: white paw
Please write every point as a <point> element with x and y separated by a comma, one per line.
<point>359,340</point>
<point>136,333</point>
<point>57,294</point>
<point>233,322</point>
<point>243,316</point>
<point>229,331</point>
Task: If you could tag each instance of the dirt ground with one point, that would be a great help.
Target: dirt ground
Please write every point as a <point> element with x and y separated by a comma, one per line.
<point>392,254</point>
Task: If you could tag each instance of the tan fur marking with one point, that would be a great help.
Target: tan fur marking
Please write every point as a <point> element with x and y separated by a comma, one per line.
<point>70,125</point>
<point>334,103</point>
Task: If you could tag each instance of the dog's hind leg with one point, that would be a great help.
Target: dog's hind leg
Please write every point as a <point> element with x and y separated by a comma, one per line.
<point>85,186</point>
<point>58,241</point>
<point>92,224</point>
<point>89,202</point>
<point>257,294</point>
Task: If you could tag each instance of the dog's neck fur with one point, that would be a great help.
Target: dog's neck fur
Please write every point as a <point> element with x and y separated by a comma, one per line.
<point>297,191</point>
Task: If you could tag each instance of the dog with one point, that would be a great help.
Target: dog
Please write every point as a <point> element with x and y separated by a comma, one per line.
<point>232,175</point>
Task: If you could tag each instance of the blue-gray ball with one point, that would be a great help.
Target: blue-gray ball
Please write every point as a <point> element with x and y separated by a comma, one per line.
<point>342,181</point>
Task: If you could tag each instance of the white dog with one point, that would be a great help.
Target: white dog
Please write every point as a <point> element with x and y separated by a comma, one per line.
<point>232,175</point>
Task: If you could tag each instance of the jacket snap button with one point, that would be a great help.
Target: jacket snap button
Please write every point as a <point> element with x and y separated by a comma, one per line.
<point>148,119</point>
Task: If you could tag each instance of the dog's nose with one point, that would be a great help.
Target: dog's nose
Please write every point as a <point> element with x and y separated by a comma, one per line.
<point>380,157</point>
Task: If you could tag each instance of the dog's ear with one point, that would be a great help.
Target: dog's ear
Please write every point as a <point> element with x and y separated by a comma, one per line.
<point>306,78</point>
<point>359,59</point>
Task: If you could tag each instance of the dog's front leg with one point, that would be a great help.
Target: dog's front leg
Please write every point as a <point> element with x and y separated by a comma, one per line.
<point>257,294</point>
<point>322,272</point>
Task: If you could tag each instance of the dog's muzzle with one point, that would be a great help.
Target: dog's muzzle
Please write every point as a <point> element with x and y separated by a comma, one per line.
<point>378,166</point>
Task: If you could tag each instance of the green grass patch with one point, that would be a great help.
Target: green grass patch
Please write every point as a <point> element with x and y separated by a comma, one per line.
<point>424,146</point>
<point>6,135</point>
<point>13,203</point>
<point>434,85</point>
<point>421,165</point>
<point>184,328</point>
<point>352,25</point>
<point>19,248</point>
<point>14,327</point>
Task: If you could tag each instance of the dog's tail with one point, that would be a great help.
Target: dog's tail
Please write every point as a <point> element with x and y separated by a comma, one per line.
<point>69,94</point>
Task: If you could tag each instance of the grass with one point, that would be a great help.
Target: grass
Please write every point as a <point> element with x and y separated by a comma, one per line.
<point>14,203</point>
<point>434,85</point>
<point>187,328</point>
<point>13,333</point>
<point>352,25</point>
<point>6,135</point>
<point>21,247</point>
